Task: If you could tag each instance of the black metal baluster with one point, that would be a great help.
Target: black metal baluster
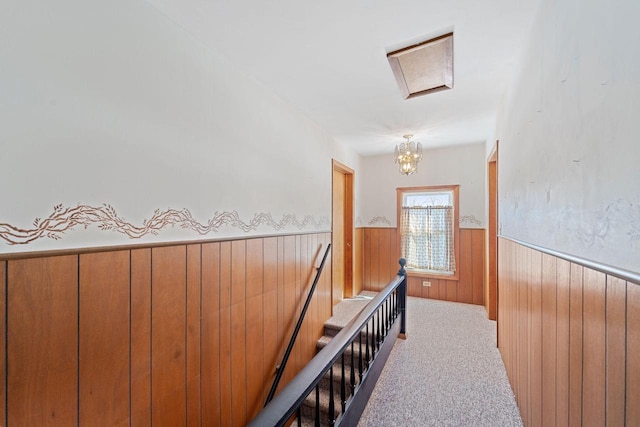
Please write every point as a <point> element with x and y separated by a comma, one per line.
<point>360,356</point>
<point>332,408</point>
<point>395,305</point>
<point>385,317</point>
<point>378,336</point>
<point>353,373</point>
<point>373,336</point>
<point>343,387</point>
<point>299,415</point>
<point>317,414</point>
<point>367,346</point>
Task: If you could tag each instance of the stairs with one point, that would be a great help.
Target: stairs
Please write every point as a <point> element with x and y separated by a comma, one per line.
<point>344,312</point>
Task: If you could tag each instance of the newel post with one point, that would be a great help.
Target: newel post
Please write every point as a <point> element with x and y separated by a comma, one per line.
<point>402,298</point>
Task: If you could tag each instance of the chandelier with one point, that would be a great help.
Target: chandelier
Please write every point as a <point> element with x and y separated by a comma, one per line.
<point>408,154</point>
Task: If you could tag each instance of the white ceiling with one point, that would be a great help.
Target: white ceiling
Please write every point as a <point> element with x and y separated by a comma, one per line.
<point>328,59</point>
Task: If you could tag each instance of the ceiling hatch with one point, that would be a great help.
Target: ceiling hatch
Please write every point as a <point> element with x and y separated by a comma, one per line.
<point>424,67</point>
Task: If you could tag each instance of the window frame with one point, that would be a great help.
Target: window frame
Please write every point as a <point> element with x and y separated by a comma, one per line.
<point>400,192</point>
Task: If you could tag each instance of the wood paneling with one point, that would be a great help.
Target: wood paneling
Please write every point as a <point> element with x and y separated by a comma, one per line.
<point>593,349</point>
<point>210,339</point>
<point>104,339</point>
<point>615,350</point>
<point>358,262</point>
<point>193,352</point>
<point>141,337</point>
<point>580,327</point>
<point>563,280</point>
<point>172,335</point>
<point>549,343</point>
<point>633,350</point>
<point>3,349</point>
<point>380,265</point>
<point>168,338</point>
<point>42,341</point>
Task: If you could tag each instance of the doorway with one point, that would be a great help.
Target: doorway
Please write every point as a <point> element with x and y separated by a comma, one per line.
<point>492,282</point>
<point>342,232</point>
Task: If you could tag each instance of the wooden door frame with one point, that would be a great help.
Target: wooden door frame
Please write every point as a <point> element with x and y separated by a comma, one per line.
<point>492,240</point>
<point>348,235</point>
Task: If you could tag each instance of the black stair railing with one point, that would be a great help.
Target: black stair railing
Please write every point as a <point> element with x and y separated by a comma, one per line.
<point>294,336</point>
<point>382,318</point>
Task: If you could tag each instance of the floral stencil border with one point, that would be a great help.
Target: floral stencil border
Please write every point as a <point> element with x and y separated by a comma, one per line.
<point>64,219</point>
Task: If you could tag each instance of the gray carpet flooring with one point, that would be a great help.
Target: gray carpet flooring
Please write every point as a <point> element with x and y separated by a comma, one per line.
<point>448,372</point>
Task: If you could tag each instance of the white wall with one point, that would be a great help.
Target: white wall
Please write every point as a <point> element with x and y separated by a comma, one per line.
<point>569,161</point>
<point>464,165</point>
<point>111,103</point>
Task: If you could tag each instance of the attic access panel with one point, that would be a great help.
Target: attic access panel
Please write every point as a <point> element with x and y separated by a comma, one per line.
<point>425,67</point>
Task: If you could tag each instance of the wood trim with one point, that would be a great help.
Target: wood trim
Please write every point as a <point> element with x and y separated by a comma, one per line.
<point>343,245</point>
<point>456,226</point>
<point>102,249</point>
<point>491,293</point>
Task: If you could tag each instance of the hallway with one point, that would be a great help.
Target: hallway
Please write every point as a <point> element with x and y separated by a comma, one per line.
<point>447,373</point>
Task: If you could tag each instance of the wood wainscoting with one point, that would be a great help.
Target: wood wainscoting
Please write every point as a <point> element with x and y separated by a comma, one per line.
<point>569,336</point>
<point>380,264</point>
<point>188,334</point>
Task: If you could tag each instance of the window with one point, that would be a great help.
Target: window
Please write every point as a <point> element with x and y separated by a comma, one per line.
<point>428,225</point>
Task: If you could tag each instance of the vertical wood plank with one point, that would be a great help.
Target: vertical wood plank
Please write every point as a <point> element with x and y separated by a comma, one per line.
<point>304,281</point>
<point>535,343</point>
<point>477,265</point>
<point>358,261</point>
<point>254,267</point>
<point>593,384</point>
<point>225,367</point>
<point>366,273</point>
<point>42,335</point>
<point>465,264</point>
<point>141,337</point>
<point>254,320</point>
<point>281,330</point>
<point>254,356</point>
<point>395,252</point>
<point>225,333</point>
<point>384,254</point>
<point>3,349</point>
<point>615,350</point>
<point>524,268</point>
<point>210,340</point>
<point>563,275</point>
<point>434,290</point>
<point>238,334</point>
<point>290,304</point>
<point>373,265</point>
<point>104,338</point>
<point>452,290</point>
<point>270,310</point>
<point>238,271</point>
<point>575,346</point>
<point>633,349</point>
<point>549,344</point>
<point>193,350</point>
<point>168,335</point>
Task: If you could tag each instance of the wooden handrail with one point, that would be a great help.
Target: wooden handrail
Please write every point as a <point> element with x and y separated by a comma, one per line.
<point>279,410</point>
